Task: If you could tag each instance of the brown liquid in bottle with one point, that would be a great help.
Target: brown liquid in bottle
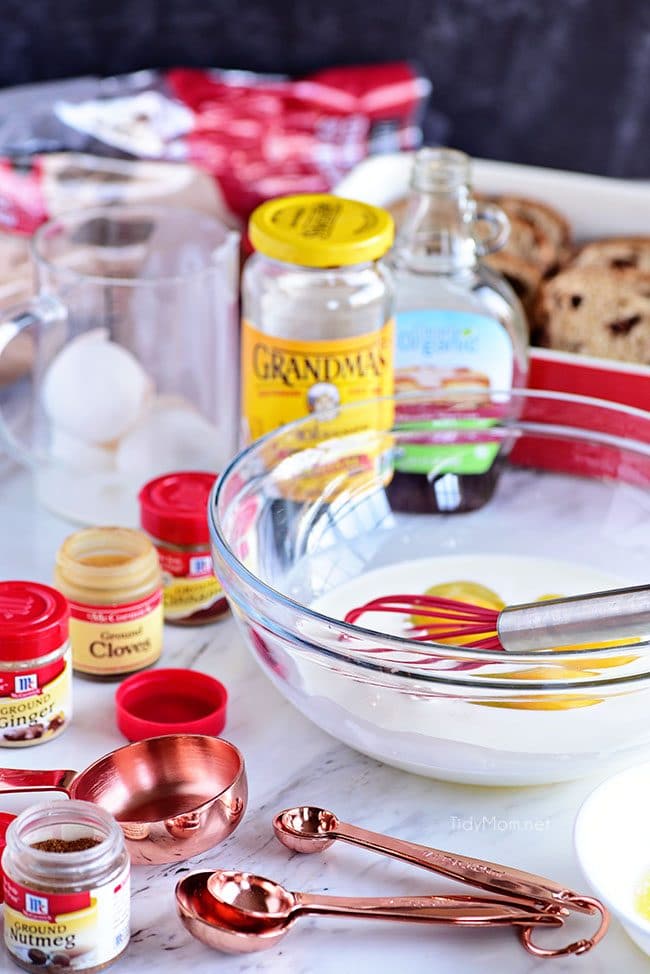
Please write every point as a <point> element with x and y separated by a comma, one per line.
<point>448,493</point>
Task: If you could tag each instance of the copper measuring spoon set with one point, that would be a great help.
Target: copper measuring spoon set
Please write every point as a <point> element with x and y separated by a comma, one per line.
<point>239,912</point>
<point>179,795</point>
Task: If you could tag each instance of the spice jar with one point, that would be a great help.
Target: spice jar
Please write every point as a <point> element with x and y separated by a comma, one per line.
<point>173,511</point>
<point>111,578</point>
<point>66,888</point>
<point>35,664</point>
<point>317,330</point>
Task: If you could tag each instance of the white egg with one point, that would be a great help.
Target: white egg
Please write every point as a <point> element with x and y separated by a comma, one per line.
<point>95,389</point>
<point>169,437</point>
<point>78,454</point>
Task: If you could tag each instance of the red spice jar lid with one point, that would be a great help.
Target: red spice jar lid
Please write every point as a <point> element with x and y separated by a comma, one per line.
<point>174,507</point>
<point>33,620</point>
<point>170,701</point>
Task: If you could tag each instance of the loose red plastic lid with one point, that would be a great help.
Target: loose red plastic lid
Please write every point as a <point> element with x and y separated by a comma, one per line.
<point>170,701</point>
<point>174,507</point>
<point>33,620</point>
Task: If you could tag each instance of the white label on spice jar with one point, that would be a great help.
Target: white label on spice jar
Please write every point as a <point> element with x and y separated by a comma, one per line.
<point>35,704</point>
<point>189,583</point>
<point>111,640</point>
<point>75,931</point>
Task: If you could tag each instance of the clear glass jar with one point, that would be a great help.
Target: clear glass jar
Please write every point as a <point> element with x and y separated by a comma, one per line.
<point>66,910</point>
<point>35,664</point>
<point>112,580</point>
<point>317,328</point>
<point>459,325</point>
<point>130,298</point>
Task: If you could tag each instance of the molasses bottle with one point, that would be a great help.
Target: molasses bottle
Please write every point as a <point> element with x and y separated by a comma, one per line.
<point>461,336</point>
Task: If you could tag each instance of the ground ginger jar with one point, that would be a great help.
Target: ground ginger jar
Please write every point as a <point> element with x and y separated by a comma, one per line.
<point>35,664</point>
<point>66,888</point>
<point>317,328</point>
<point>112,580</point>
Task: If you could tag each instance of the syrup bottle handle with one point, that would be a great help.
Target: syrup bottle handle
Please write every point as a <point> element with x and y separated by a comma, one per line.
<point>498,228</point>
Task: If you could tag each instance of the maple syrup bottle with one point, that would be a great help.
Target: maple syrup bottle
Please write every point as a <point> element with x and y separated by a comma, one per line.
<point>461,333</point>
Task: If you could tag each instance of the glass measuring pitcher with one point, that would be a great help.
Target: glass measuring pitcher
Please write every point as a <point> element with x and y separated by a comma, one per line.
<point>124,366</point>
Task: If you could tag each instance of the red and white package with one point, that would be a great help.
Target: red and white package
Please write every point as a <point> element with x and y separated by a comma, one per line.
<point>256,136</point>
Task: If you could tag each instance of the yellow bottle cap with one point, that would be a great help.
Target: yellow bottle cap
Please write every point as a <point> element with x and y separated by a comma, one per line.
<point>320,230</point>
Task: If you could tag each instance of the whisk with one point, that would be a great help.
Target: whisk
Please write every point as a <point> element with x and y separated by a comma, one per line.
<point>578,620</point>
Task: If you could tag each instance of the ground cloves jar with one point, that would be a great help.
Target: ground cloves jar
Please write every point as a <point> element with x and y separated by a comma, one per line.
<point>35,664</point>
<point>111,578</point>
<point>174,513</point>
<point>66,888</point>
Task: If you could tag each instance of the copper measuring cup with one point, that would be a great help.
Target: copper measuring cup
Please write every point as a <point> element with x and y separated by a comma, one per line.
<point>238,912</point>
<point>173,796</point>
<point>307,828</point>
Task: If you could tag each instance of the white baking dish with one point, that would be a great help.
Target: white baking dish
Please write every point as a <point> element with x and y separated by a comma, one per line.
<point>595,206</point>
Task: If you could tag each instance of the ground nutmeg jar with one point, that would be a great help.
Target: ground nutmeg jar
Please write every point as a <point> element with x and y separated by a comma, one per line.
<point>35,664</point>
<point>111,578</point>
<point>174,513</point>
<point>66,888</point>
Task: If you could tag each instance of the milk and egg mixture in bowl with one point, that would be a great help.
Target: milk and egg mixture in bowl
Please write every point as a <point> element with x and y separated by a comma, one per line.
<point>493,499</point>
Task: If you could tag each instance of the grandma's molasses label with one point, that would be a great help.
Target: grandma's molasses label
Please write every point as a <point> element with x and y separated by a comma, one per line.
<point>71,931</point>
<point>284,379</point>
<point>111,640</point>
<point>35,704</point>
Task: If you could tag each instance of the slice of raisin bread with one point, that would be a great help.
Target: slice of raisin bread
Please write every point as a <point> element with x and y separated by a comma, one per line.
<point>524,258</point>
<point>546,221</point>
<point>523,276</point>
<point>598,312</point>
<point>616,253</point>
<point>530,243</point>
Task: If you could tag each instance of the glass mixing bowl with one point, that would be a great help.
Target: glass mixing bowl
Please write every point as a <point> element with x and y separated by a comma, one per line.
<point>530,494</point>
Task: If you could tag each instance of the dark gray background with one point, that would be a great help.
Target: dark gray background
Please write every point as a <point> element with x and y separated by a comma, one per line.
<point>561,83</point>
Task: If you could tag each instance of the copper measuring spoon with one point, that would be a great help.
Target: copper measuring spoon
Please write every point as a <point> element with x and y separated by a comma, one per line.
<point>307,829</point>
<point>238,912</point>
<point>173,796</point>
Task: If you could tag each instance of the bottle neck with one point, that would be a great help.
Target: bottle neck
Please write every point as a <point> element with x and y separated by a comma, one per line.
<point>437,232</point>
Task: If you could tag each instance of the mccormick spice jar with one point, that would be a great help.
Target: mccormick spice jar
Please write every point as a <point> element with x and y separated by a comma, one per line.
<point>173,511</point>
<point>111,578</point>
<point>35,664</point>
<point>317,331</point>
<point>66,888</point>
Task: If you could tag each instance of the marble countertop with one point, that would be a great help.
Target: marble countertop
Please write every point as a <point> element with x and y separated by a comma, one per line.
<point>290,761</point>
